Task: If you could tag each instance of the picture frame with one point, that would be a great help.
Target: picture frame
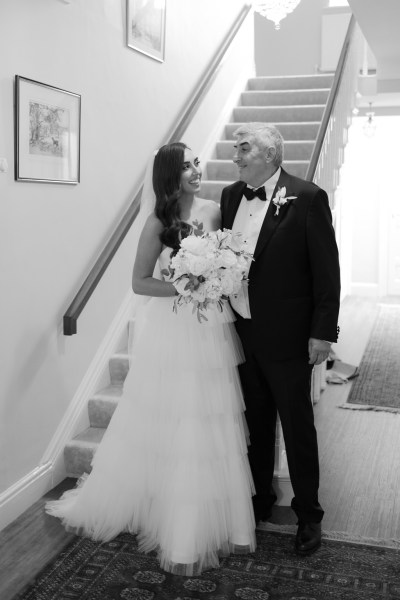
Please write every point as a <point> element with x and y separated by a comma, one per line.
<point>145,27</point>
<point>47,133</point>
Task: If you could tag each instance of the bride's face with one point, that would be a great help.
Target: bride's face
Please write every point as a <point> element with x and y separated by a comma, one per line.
<point>191,173</point>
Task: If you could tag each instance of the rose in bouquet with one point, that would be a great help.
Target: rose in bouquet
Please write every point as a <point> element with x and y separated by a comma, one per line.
<point>208,268</point>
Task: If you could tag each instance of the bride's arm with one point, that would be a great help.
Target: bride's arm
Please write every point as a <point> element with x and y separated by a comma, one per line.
<point>149,249</point>
<point>212,214</point>
<point>216,216</point>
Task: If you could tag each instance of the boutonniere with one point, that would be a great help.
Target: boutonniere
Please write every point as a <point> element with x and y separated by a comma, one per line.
<point>281,199</point>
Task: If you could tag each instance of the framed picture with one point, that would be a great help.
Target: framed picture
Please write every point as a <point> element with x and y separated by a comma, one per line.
<point>47,133</point>
<point>145,27</point>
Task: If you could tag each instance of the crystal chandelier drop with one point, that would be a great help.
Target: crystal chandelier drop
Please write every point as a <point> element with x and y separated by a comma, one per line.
<point>275,10</point>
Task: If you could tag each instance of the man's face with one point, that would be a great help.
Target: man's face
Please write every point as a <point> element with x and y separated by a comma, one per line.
<point>251,161</point>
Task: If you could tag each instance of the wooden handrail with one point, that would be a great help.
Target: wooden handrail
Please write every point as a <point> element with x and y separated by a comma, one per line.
<point>90,283</point>
<point>331,101</point>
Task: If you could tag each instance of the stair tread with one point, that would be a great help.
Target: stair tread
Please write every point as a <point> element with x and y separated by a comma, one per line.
<point>119,356</point>
<point>285,106</point>
<point>276,123</point>
<point>110,391</point>
<point>218,181</point>
<point>305,75</point>
<point>299,142</point>
<point>91,436</point>
<point>288,91</point>
<point>295,160</point>
<point>293,130</point>
<point>231,142</point>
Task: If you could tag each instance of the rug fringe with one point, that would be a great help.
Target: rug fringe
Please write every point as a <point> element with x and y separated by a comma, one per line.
<point>339,536</point>
<point>374,408</point>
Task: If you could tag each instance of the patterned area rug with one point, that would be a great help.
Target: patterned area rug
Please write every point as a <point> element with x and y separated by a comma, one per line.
<point>378,384</point>
<point>117,571</point>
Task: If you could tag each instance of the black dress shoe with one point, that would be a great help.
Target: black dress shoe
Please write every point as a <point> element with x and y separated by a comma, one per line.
<point>308,538</point>
<point>261,512</point>
<point>262,516</point>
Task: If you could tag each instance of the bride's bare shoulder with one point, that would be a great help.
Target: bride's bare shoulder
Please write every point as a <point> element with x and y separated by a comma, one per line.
<point>153,224</point>
<point>151,230</point>
<point>209,214</point>
<point>209,207</point>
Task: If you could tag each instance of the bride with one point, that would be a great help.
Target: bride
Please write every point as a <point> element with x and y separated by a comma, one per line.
<point>172,466</point>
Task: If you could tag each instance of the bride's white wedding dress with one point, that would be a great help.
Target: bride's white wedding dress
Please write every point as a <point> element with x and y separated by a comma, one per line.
<point>172,465</point>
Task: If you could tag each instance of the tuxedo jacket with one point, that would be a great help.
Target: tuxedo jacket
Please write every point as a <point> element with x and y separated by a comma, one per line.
<point>294,279</point>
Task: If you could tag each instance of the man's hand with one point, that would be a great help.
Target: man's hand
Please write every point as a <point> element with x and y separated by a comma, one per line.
<point>318,351</point>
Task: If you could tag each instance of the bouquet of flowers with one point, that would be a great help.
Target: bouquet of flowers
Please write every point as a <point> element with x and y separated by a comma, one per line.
<point>208,268</point>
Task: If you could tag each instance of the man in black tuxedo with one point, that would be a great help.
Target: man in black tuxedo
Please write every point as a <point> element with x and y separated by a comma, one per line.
<point>286,316</point>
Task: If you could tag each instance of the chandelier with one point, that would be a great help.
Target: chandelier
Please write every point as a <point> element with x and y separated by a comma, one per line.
<point>275,10</point>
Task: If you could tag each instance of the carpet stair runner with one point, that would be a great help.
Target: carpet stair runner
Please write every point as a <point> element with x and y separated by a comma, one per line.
<point>295,104</point>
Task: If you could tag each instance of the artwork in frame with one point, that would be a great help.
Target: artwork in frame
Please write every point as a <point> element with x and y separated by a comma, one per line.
<point>145,27</point>
<point>47,133</point>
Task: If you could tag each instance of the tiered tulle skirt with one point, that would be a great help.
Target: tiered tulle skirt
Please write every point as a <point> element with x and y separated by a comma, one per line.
<point>172,466</point>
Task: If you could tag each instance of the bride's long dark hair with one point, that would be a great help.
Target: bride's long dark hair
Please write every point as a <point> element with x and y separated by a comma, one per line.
<point>167,171</point>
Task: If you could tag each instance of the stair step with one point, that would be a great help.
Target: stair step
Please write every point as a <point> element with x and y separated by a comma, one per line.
<point>298,168</point>
<point>284,97</point>
<point>273,114</point>
<point>291,82</point>
<point>119,367</point>
<point>294,150</point>
<point>226,170</point>
<point>79,452</point>
<point>102,406</point>
<point>290,131</point>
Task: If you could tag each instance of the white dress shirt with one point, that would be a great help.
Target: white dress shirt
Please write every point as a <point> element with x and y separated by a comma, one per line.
<point>248,221</point>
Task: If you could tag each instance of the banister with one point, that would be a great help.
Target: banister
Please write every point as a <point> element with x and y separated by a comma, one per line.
<point>89,285</point>
<point>331,101</point>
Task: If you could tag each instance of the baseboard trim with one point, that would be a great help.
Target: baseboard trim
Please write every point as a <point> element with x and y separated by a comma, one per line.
<point>22,494</point>
<point>371,290</point>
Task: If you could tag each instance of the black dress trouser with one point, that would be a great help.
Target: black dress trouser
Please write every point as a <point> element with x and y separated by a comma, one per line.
<point>271,386</point>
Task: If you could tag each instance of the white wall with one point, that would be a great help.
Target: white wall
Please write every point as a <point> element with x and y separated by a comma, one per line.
<point>368,191</point>
<point>50,234</point>
<point>334,25</point>
<point>296,48</point>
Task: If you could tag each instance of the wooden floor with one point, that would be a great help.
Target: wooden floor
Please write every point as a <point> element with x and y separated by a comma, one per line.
<point>29,543</point>
<point>359,450</point>
<point>360,472</point>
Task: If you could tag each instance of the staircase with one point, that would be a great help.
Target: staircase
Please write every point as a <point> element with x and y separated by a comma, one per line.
<point>79,451</point>
<point>295,105</point>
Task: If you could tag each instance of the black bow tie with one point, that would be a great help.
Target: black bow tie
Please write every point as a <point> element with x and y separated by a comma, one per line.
<point>259,192</point>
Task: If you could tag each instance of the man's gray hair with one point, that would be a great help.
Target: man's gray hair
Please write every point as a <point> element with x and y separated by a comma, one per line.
<point>265,136</point>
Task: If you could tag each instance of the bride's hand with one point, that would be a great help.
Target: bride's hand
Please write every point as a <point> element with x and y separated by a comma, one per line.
<point>182,287</point>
